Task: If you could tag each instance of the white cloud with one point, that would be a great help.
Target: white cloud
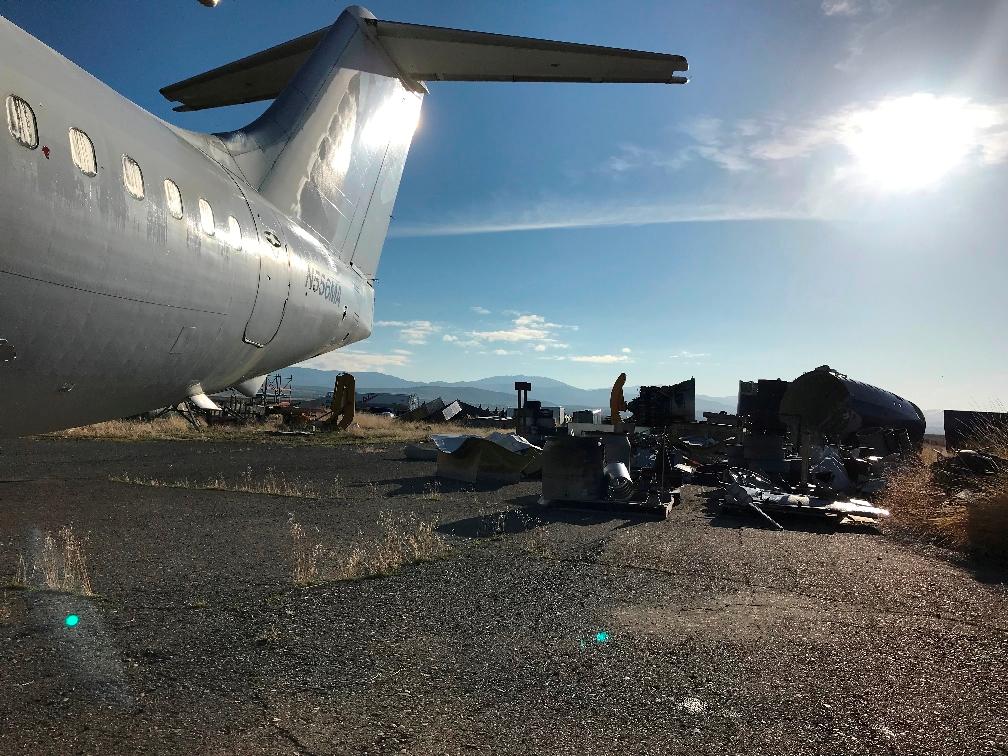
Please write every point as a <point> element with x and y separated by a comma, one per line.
<point>401,351</point>
<point>525,328</point>
<point>502,352</point>
<point>411,331</point>
<point>351,360</point>
<point>448,337</point>
<point>841,7</point>
<point>626,350</point>
<point>687,355</point>
<point>480,310</point>
<point>598,358</point>
<point>539,348</point>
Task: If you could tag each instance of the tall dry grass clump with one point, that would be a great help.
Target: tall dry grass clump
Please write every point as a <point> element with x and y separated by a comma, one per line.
<point>57,565</point>
<point>930,499</point>
<point>305,552</point>
<point>402,540</point>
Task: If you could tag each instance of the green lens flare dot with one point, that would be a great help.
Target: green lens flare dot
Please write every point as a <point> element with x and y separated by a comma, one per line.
<point>71,620</point>
<point>601,637</point>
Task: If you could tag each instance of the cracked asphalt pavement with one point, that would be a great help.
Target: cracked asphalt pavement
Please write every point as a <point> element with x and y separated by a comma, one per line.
<point>545,631</point>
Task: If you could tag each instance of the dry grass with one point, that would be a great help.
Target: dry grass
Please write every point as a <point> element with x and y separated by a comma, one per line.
<point>402,540</point>
<point>306,554</point>
<point>367,430</point>
<point>270,483</point>
<point>969,514</point>
<point>431,492</point>
<point>6,613</point>
<point>171,428</point>
<point>58,565</point>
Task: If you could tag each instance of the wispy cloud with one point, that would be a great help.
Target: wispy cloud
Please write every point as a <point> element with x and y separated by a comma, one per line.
<point>626,350</point>
<point>480,310</point>
<point>685,354</point>
<point>806,168</point>
<point>353,360</point>
<point>562,214</point>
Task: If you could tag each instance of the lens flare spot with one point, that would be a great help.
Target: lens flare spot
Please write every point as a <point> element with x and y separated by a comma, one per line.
<point>71,620</point>
<point>601,636</point>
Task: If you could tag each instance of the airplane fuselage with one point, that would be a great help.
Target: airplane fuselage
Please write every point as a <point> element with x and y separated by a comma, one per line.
<point>92,276</point>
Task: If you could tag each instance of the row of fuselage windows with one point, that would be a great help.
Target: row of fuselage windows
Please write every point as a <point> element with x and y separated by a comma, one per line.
<point>24,128</point>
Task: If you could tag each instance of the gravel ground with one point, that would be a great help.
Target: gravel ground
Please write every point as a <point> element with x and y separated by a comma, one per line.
<point>540,631</point>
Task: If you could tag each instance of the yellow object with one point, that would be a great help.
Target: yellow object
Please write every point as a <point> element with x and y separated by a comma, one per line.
<point>343,401</point>
<point>617,402</point>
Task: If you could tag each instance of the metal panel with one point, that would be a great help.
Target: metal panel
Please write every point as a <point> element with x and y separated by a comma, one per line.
<point>274,281</point>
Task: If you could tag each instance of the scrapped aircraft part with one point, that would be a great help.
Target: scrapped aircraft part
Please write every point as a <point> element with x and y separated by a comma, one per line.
<point>250,387</point>
<point>758,407</point>
<point>616,448</point>
<point>749,490</point>
<point>827,402</point>
<point>662,406</point>
<point>499,457</point>
<point>620,484</point>
<point>204,402</point>
<point>7,351</point>
<point>420,452</point>
<point>572,469</point>
<point>574,474</point>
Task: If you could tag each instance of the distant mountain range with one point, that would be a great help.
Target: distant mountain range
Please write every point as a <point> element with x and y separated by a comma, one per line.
<point>495,391</point>
<point>498,391</point>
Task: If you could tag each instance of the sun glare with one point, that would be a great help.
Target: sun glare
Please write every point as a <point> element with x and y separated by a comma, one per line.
<point>910,143</point>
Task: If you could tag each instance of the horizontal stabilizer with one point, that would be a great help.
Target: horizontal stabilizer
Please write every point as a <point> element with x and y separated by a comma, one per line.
<point>430,53</point>
<point>257,77</point>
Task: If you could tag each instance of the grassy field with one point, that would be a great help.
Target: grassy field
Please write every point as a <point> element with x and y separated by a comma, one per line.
<point>367,429</point>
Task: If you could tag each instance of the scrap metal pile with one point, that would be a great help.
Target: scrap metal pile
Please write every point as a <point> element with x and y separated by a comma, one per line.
<point>819,445</point>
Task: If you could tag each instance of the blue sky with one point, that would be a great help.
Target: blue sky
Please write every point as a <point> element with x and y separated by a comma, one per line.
<point>829,188</point>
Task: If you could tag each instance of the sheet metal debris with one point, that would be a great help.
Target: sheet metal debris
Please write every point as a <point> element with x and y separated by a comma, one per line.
<point>499,457</point>
<point>748,490</point>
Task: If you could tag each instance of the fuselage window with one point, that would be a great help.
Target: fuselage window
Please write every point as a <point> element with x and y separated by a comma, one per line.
<point>206,217</point>
<point>234,232</point>
<point>173,198</point>
<point>21,122</point>
<point>82,152</point>
<point>132,177</point>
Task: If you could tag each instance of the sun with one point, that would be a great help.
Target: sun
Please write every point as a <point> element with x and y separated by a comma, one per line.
<point>910,143</point>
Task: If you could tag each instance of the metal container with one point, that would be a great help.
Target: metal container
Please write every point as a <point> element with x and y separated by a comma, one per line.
<point>616,448</point>
<point>827,402</point>
<point>572,469</point>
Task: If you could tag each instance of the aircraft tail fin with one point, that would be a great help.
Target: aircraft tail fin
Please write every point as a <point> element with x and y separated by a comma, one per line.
<point>331,148</point>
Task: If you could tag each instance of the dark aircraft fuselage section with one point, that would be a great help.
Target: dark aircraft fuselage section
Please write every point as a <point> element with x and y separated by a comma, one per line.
<point>110,305</point>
